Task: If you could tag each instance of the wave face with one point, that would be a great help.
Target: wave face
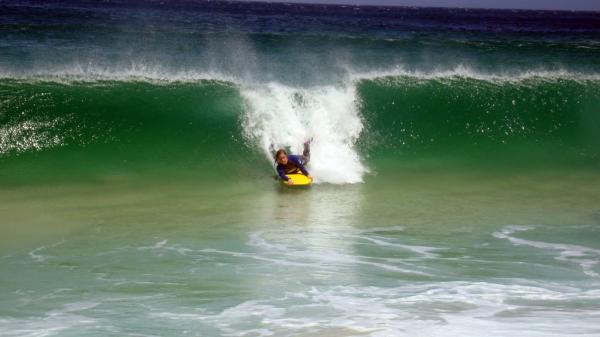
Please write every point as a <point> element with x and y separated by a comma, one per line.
<point>459,114</point>
<point>200,123</point>
<point>111,126</point>
<point>44,115</point>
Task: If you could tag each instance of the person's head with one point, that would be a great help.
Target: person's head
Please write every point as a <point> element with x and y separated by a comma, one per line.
<point>281,157</point>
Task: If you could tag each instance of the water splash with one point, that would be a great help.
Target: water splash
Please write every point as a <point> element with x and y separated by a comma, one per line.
<point>286,116</point>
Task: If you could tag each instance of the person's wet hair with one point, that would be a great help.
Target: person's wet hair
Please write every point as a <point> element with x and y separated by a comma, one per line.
<point>278,153</point>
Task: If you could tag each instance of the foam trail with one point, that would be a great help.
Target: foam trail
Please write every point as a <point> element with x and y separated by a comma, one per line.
<point>586,257</point>
<point>286,116</point>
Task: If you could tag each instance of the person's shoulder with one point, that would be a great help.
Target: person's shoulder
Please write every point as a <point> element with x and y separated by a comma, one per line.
<point>294,157</point>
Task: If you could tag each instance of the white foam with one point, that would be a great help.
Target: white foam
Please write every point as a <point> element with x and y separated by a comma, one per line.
<point>254,257</point>
<point>586,257</point>
<point>286,116</point>
<point>457,308</point>
<point>382,229</point>
<point>257,240</point>
<point>425,251</point>
<point>157,245</point>
<point>465,71</point>
<point>79,306</point>
<point>298,253</point>
<point>162,246</point>
<point>431,309</point>
<point>34,254</point>
<point>134,72</point>
<point>176,316</point>
<point>50,325</point>
<point>156,73</point>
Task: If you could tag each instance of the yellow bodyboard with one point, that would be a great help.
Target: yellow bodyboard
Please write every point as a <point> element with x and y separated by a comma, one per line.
<point>298,179</point>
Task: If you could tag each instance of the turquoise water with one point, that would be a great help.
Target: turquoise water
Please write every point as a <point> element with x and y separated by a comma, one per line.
<point>450,253</point>
<point>456,166</point>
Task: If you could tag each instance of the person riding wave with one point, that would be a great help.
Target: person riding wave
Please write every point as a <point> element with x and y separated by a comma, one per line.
<point>290,164</point>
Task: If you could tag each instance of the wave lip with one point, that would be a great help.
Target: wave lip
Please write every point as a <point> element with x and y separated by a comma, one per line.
<point>465,71</point>
<point>143,72</point>
<point>134,72</point>
<point>587,258</point>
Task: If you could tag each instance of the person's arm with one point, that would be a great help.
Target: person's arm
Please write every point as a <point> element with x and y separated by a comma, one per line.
<point>298,162</point>
<point>281,173</point>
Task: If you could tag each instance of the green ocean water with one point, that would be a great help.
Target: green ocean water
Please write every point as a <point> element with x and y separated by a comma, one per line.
<point>137,125</point>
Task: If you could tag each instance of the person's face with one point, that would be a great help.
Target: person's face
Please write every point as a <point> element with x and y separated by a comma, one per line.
<point>282,159</point>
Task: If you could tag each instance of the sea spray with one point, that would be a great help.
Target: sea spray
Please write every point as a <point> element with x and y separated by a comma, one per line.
<point>281,116</point>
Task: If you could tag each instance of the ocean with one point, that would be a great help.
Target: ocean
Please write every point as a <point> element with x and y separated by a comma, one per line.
<point>455,153</point>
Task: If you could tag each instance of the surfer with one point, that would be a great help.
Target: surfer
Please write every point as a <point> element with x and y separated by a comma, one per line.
<point>288,164</point>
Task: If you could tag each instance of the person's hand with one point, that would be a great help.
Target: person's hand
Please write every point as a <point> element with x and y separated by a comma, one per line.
<point>290,182</point>
<point>309,177</point>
